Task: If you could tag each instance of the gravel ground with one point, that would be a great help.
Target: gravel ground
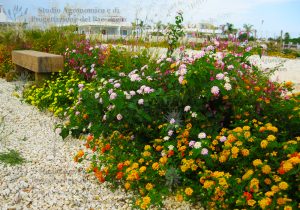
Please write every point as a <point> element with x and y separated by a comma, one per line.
<point>49,178</point>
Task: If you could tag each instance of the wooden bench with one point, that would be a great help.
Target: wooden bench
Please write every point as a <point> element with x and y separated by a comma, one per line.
<point>38,62</point>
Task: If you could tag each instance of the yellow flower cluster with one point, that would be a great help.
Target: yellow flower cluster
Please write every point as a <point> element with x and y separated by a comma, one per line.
<point>188,164</point>
<point>188,191</point>
<point>264,202</point>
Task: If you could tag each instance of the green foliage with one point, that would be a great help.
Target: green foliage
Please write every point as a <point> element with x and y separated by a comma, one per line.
<point>11,158</point>
<point>211,127</point>
<point>175,31</point>
<point>57,94</point>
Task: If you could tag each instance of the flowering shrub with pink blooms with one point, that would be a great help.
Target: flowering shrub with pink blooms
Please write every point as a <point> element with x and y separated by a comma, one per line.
<point>208,128</point>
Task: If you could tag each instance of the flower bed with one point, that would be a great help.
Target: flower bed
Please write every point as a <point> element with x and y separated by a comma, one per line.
<point>209,127</point>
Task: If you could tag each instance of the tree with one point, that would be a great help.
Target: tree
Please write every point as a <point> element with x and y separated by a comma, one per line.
<point>287,38</point>
<point>248,29</point>
<point>229,29</point>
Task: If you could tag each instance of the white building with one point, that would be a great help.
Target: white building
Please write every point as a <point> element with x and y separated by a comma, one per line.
<point>3,18</point>
<point>106,28</point>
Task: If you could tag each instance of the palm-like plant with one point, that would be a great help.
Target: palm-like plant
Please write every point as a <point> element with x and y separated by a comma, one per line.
<point>229,29</point>
<point>248,29</point>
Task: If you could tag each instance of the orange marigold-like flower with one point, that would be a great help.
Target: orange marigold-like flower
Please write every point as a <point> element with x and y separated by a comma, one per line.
<point>257,162</point>
<point>149,186</point>
<point>155,166</point>
<point>287,166</point>
<point>235,150</point>
<point>267,181</point>
<point>266,169</point>
<point>142,169</point>
<point>264,144</point>
<point>188,191</point>
<point>251,202</point>
<point>271,138</point>
<point>146,199</point>
<point>80,153</point>
<point>245,152</point>
<point>127,185</point>
<point>265,202</point>
<point>283,185</point>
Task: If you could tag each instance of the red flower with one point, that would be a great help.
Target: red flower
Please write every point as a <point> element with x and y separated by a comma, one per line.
<point>90,137</point>
<point>247,195</point>
<point>120,166</point>
<point>281,171</point>
<point>119,175</point>
<point>99,176</point>
<point>107,146</point>
<point>87,145</point>
<point>170,153</point>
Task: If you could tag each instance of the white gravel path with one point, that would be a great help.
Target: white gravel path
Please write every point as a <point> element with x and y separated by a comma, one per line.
<point>49,179</point>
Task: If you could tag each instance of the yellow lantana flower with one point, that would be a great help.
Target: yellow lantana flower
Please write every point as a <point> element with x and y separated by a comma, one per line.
<point>188,191</point>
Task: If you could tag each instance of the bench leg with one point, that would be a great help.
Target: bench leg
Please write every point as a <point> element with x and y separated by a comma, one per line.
<point>19,69</point>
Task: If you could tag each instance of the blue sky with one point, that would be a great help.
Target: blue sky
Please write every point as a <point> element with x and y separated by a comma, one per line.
<point>269,17</point>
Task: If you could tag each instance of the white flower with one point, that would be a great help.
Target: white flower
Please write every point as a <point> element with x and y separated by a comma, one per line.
<point>110,107</point>
<point>119,117</point>
<point>215,90</point>
<point>170,132</point>
<point>226,79</point>
<point>141,101</point>
<point>248,49</point>
<point>135,77</point>
<point>202,135</point>
<point>182,69</point>
<point>104,117</point>
<point>227,86</point>
<point>166,138</point>
<point>223,138</point>
<point>100,100</point>
<point>122,74</point>
<point>204,151</point>
<point>172,121</point>
<point>110,91</point>
<point>112,96</point>
<point>200,54</point>
<point>144,67</point>
<point>148,90</point>
<point>97,95</point>
<point>170,147</point>
<point>197,145</point>
<point>220,76</point>
<point>230,67</point>
<point>187,108</point>
<point>132,93</point>
<point>169,59</point>
<point>194,114</point>
<point>180,79</point>
<point>117,85</point>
